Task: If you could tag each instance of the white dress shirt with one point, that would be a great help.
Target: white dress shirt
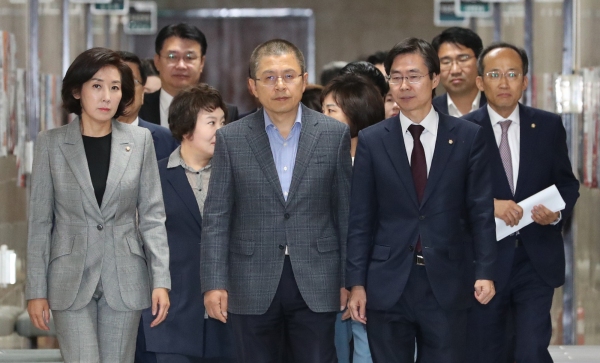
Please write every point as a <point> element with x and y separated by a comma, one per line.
<point>165,102</point>
<point>453,110</point>
<point>428,137</point>
<point>514,137</point>
<point>136,122</point>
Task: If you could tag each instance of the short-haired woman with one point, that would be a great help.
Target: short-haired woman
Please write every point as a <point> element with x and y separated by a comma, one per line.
<point>195,115</point>
<point>97,247</point>
<point>357,102</point>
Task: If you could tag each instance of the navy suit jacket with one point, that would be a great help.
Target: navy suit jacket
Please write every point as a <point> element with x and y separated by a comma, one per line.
<point>441,102</point>
<point>184,330</point>
<point>544,161</point>
<point>150,110</point>
<point>164,142</point>
<point>386,219</point>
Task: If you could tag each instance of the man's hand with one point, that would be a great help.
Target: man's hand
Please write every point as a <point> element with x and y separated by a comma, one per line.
<point>39,313</point>
<point>215,302</point>
<point>484,291</point>
<point>544,216</point>
<point>160,305</point>
<point>357,304</point>
<point>509,211</point>
<point>344,293</point>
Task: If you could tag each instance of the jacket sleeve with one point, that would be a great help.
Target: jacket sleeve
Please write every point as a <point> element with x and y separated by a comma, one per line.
<point>151,217</point>
<point>341,197</point>
<point>41,217</point>
<point>218,211</point>
<point>562,172</point>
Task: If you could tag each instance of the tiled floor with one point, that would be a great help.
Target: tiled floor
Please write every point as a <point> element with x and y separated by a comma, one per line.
<point>575,354</point>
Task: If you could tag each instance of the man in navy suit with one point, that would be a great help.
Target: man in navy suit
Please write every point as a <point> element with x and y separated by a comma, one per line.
<point>164,143</point>
<point>414,201</point>
<point>458,49</point>
<point>180,55</point>
<point>527,153</point>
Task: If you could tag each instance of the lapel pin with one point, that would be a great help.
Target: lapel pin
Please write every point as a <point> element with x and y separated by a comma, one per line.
<point>533,126</point>
<point>127,148</point>
<point>450,141</point>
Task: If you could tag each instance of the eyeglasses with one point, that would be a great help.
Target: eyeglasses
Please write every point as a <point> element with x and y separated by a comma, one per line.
<point>461,61</point>
<point>496,76</point>
<point>412,79</point>
<point>287,78</point>
<point>174,58</point>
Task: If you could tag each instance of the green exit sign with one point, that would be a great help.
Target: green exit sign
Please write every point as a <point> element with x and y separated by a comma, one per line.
<point>115,7</point>
<point>473,8</point>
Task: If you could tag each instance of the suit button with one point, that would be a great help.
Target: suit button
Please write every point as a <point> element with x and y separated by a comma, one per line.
<point>421,218</point>
<point>411,248</point>
<point>100,227</point>
<point>281,247</point>
<point>286,216</point>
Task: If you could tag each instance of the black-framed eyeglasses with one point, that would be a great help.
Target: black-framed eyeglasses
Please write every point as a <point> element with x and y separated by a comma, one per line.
<point>174,58</point>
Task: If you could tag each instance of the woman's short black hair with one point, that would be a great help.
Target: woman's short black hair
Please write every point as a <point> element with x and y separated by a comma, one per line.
<point>311,97</point>
<point>184,110</point>
<point>369,71</point>
<point>83,69</point>
<point>358,98</point>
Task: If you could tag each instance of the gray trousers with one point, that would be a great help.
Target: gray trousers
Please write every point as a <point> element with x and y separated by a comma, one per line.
<point>97,333</point>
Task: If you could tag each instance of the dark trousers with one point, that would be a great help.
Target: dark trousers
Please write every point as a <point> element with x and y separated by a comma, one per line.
<point>440,334</point>
<point>526,300</point>
<point>288,322</point>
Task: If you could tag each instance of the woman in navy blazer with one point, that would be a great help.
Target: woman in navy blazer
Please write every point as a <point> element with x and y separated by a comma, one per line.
<point>187,335</point>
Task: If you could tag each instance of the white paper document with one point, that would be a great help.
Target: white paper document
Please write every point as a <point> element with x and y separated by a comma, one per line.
<point>549,198</point>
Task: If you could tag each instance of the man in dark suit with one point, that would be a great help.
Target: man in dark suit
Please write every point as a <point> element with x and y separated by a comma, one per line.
<point>413,199</point>
<point>164,143</point>
<point>179,59</point>
<point>276,218</point>
<point>458,49</point>
<point>527,153</point>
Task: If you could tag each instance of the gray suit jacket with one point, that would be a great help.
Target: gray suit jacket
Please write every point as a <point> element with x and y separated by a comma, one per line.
<point>73,243</point>
<point>247,221</point>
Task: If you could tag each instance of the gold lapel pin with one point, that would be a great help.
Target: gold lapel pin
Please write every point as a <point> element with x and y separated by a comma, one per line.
<point>450,141</point>
<point>533,126</point>
<point>127,148</point>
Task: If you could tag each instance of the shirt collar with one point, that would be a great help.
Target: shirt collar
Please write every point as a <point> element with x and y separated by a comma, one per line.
<point>474,105</point>
<point>136,122</point>
<point>430,122</point>
<point>298,120</point>
<point>165,99</point>
<point>495,117</point>
<point>176,160</point>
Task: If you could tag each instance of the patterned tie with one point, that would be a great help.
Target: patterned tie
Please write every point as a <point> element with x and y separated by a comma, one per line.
<point>505,154</point>
<point>418,167</point>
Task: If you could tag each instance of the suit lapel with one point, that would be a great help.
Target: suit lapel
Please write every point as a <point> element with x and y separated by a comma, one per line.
<point>309,134</point>
<point>259,143</point>
<point>394,145</point>
<point>496,160</point>
<point>74,153</point>
<point>121,149</point>
<point>179,182</point>
<point>526,144</point>
<point>441,153</point>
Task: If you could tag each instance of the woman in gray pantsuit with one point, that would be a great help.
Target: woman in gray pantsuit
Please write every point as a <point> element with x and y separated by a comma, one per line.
<point>97,246</point>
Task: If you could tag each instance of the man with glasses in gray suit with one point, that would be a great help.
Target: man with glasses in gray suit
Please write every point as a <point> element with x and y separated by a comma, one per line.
<point>275,219</point>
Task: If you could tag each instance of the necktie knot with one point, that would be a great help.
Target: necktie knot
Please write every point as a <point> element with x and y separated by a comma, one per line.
<point>416,131</point>
<point>505,125</point>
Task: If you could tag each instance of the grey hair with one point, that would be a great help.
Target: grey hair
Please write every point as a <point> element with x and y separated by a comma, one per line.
<point>274,47</point>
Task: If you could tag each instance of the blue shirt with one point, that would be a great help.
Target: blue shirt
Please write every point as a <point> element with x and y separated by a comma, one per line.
<point>284,150</point>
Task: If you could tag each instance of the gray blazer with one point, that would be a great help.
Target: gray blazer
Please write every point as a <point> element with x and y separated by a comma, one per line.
<point>73,243</point>
<point>247,221</point>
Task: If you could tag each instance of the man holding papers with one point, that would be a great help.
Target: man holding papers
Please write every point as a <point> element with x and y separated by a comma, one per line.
<point>528,153</point>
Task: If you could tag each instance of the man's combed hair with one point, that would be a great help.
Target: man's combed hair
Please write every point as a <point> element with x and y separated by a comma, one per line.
<point>459,36</point>
<point>274,47</point>
<point>184,110</point>
<point>83,69</point>
<point>520,51</point>
<point>132,58</point>
<point>183,31</point>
